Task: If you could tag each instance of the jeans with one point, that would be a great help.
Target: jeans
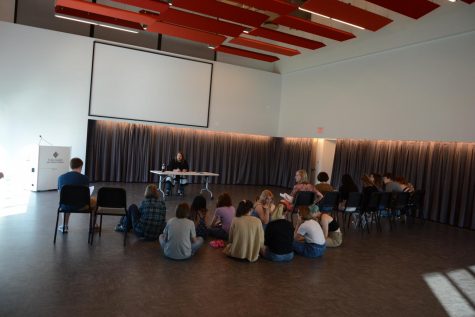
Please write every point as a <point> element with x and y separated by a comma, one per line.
<point>278,257</point>
<point>309,250</point>
<point>133,218</point>
<point>168,185</point>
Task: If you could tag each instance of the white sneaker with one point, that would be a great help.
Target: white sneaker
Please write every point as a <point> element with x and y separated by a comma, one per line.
<point>63,229</point>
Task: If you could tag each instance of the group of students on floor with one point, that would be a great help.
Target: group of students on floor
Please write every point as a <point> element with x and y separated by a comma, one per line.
<point>253,229</point>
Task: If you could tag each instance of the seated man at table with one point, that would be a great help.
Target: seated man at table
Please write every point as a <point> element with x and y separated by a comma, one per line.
<point>178,164</point>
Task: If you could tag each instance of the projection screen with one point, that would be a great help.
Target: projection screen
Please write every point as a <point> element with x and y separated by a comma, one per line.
<point>132,84</point>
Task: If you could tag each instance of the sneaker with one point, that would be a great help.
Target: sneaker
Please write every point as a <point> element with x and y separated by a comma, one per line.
<point>120,228</point>
<point>181,193</point>
<point>167,193</point>
<point>63,229</point>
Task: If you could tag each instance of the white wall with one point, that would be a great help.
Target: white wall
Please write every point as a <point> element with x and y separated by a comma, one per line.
<point>44,89</point>
<point>419,92</point>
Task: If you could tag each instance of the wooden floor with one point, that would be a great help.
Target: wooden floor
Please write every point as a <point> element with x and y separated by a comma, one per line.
<point>381,274</point>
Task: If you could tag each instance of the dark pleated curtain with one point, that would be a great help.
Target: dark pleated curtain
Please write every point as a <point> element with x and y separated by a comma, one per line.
<point>445,170</point>
<point>125,152</point>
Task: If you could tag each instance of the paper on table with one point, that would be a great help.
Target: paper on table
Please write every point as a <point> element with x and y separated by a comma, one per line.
<point>91,189</point>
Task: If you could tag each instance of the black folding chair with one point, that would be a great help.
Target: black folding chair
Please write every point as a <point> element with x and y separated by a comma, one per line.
<point>399,205</point>
<point>370,212</point>
<point>111,202</point>
<point>329,202</point>
<point>74,199</point>
<point>302,199</point>
<point>384,206</point>
<point>416,204</point>
<point>353,205</point>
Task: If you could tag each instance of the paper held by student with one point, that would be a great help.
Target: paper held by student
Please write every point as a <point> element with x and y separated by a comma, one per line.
<point>287,197</point>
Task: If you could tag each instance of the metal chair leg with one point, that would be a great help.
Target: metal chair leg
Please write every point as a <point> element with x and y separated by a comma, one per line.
<point>56,228</point>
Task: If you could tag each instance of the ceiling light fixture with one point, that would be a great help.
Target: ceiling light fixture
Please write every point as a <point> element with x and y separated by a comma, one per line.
<point>75,19</point>
<point>118,28</point>
<point>315,13</point>
<point>333,19</point>
<point>350,24</point>
<point>211,47</point>
<point>95,23</point>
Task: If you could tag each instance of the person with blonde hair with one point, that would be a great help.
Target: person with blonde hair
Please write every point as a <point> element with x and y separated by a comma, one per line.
<point>148,220</point>
<point>301,185</point>
<point>309,240</point>
<point>264,207</point>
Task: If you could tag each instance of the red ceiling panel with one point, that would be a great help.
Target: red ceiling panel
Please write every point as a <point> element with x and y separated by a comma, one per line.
<point>264,46</point>
<point>411,8</point>
<point>223,10</point>
<point>105,11</point>
<point>286,38</point>
<point>348,13</point>
<point>199,22</point>
<point>152,5</point>
<point>97,18</point>
<point>186,33</point>
<point>277,6</point>
<point>314,28</point>
<point>248,54</point>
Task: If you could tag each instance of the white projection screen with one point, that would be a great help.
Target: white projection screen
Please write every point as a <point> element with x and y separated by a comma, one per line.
<point>133,84</point>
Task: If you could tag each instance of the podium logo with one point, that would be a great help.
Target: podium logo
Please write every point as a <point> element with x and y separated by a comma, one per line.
<point>55,159</point>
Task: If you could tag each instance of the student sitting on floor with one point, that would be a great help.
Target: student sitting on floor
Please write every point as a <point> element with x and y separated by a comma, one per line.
<point>331,229</point>
<point>179,240</point>
<point>278,239</point>
<point>198,216</point>
<point>223,217</point>
<point>309,240</point>
<point>264,207</point>
<point>246,236</point>
<point>148,220</point>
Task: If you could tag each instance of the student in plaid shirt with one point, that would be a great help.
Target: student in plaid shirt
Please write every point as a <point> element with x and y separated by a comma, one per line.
<point>148,220</point>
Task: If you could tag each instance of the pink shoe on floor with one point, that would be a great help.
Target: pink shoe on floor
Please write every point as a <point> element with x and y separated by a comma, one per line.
<point>217,244</point>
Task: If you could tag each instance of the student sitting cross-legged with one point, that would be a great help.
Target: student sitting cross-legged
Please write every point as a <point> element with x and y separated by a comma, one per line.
<point>223,217</point>
<point>148,220</point>
<point>309,238</point>
<point>198,216</point>
<point>278,239</point>
<point>179,240</point>
<point>246,236</point>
